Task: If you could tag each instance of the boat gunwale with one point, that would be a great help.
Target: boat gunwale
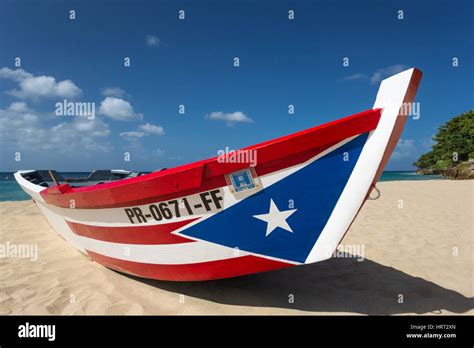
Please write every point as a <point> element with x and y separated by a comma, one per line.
<point>191,176</point>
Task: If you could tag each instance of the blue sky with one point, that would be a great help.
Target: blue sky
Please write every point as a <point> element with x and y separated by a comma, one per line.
<point>190,62</point>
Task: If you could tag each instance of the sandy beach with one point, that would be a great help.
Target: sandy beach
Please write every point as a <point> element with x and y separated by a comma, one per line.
<point>415,247</point>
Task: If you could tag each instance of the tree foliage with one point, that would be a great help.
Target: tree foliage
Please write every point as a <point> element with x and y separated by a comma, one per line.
<point>454,137</point>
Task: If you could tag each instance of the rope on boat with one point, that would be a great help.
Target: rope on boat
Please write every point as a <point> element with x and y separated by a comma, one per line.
<point>376,190</point>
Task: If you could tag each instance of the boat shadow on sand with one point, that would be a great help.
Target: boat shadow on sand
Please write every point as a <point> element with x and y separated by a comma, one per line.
<point>337,286</point>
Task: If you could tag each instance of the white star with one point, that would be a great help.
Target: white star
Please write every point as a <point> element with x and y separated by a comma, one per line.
<point>276,218</point>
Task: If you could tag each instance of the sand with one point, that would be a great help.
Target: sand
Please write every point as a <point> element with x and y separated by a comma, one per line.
<point>417,242</point>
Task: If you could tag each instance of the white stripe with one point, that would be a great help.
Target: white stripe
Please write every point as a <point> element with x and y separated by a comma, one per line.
<point>390,97</point>
<point>183,253</point>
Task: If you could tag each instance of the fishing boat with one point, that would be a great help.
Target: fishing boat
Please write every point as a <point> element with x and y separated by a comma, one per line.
<point>224,217</point>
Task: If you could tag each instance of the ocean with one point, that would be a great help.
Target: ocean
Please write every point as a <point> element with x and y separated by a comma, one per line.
<point>10,191</point>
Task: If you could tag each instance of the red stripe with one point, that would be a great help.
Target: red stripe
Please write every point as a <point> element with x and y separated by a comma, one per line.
<point>192,272</point>
<point>209,174</point>
<point>156,234</point>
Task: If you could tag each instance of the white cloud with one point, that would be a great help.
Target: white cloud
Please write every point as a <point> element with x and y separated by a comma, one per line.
<point>152,41</point>
<point>15,75</point>
<point>380,74</point>
<point>405,148</point>
<point>36,87</point>
<point>94,128</point>
<point>19,107</point>
<point>23,130</point>
<point>152,129</point>
<point>143,131</point>
<point>230,117</point>
<point>133,134</point>
<point>113,92</point>
<point>14,118</point>
<point>355,77</point>
<point>118,109</point>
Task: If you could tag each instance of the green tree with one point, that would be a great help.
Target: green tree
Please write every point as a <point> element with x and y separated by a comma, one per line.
<point>455,136</point>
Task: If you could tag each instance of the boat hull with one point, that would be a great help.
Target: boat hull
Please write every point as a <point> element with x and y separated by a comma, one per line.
<point>223,218</point>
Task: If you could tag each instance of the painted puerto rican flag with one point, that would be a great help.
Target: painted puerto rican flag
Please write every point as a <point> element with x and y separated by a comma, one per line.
<point>214,234</point>
<point>210,220</point>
